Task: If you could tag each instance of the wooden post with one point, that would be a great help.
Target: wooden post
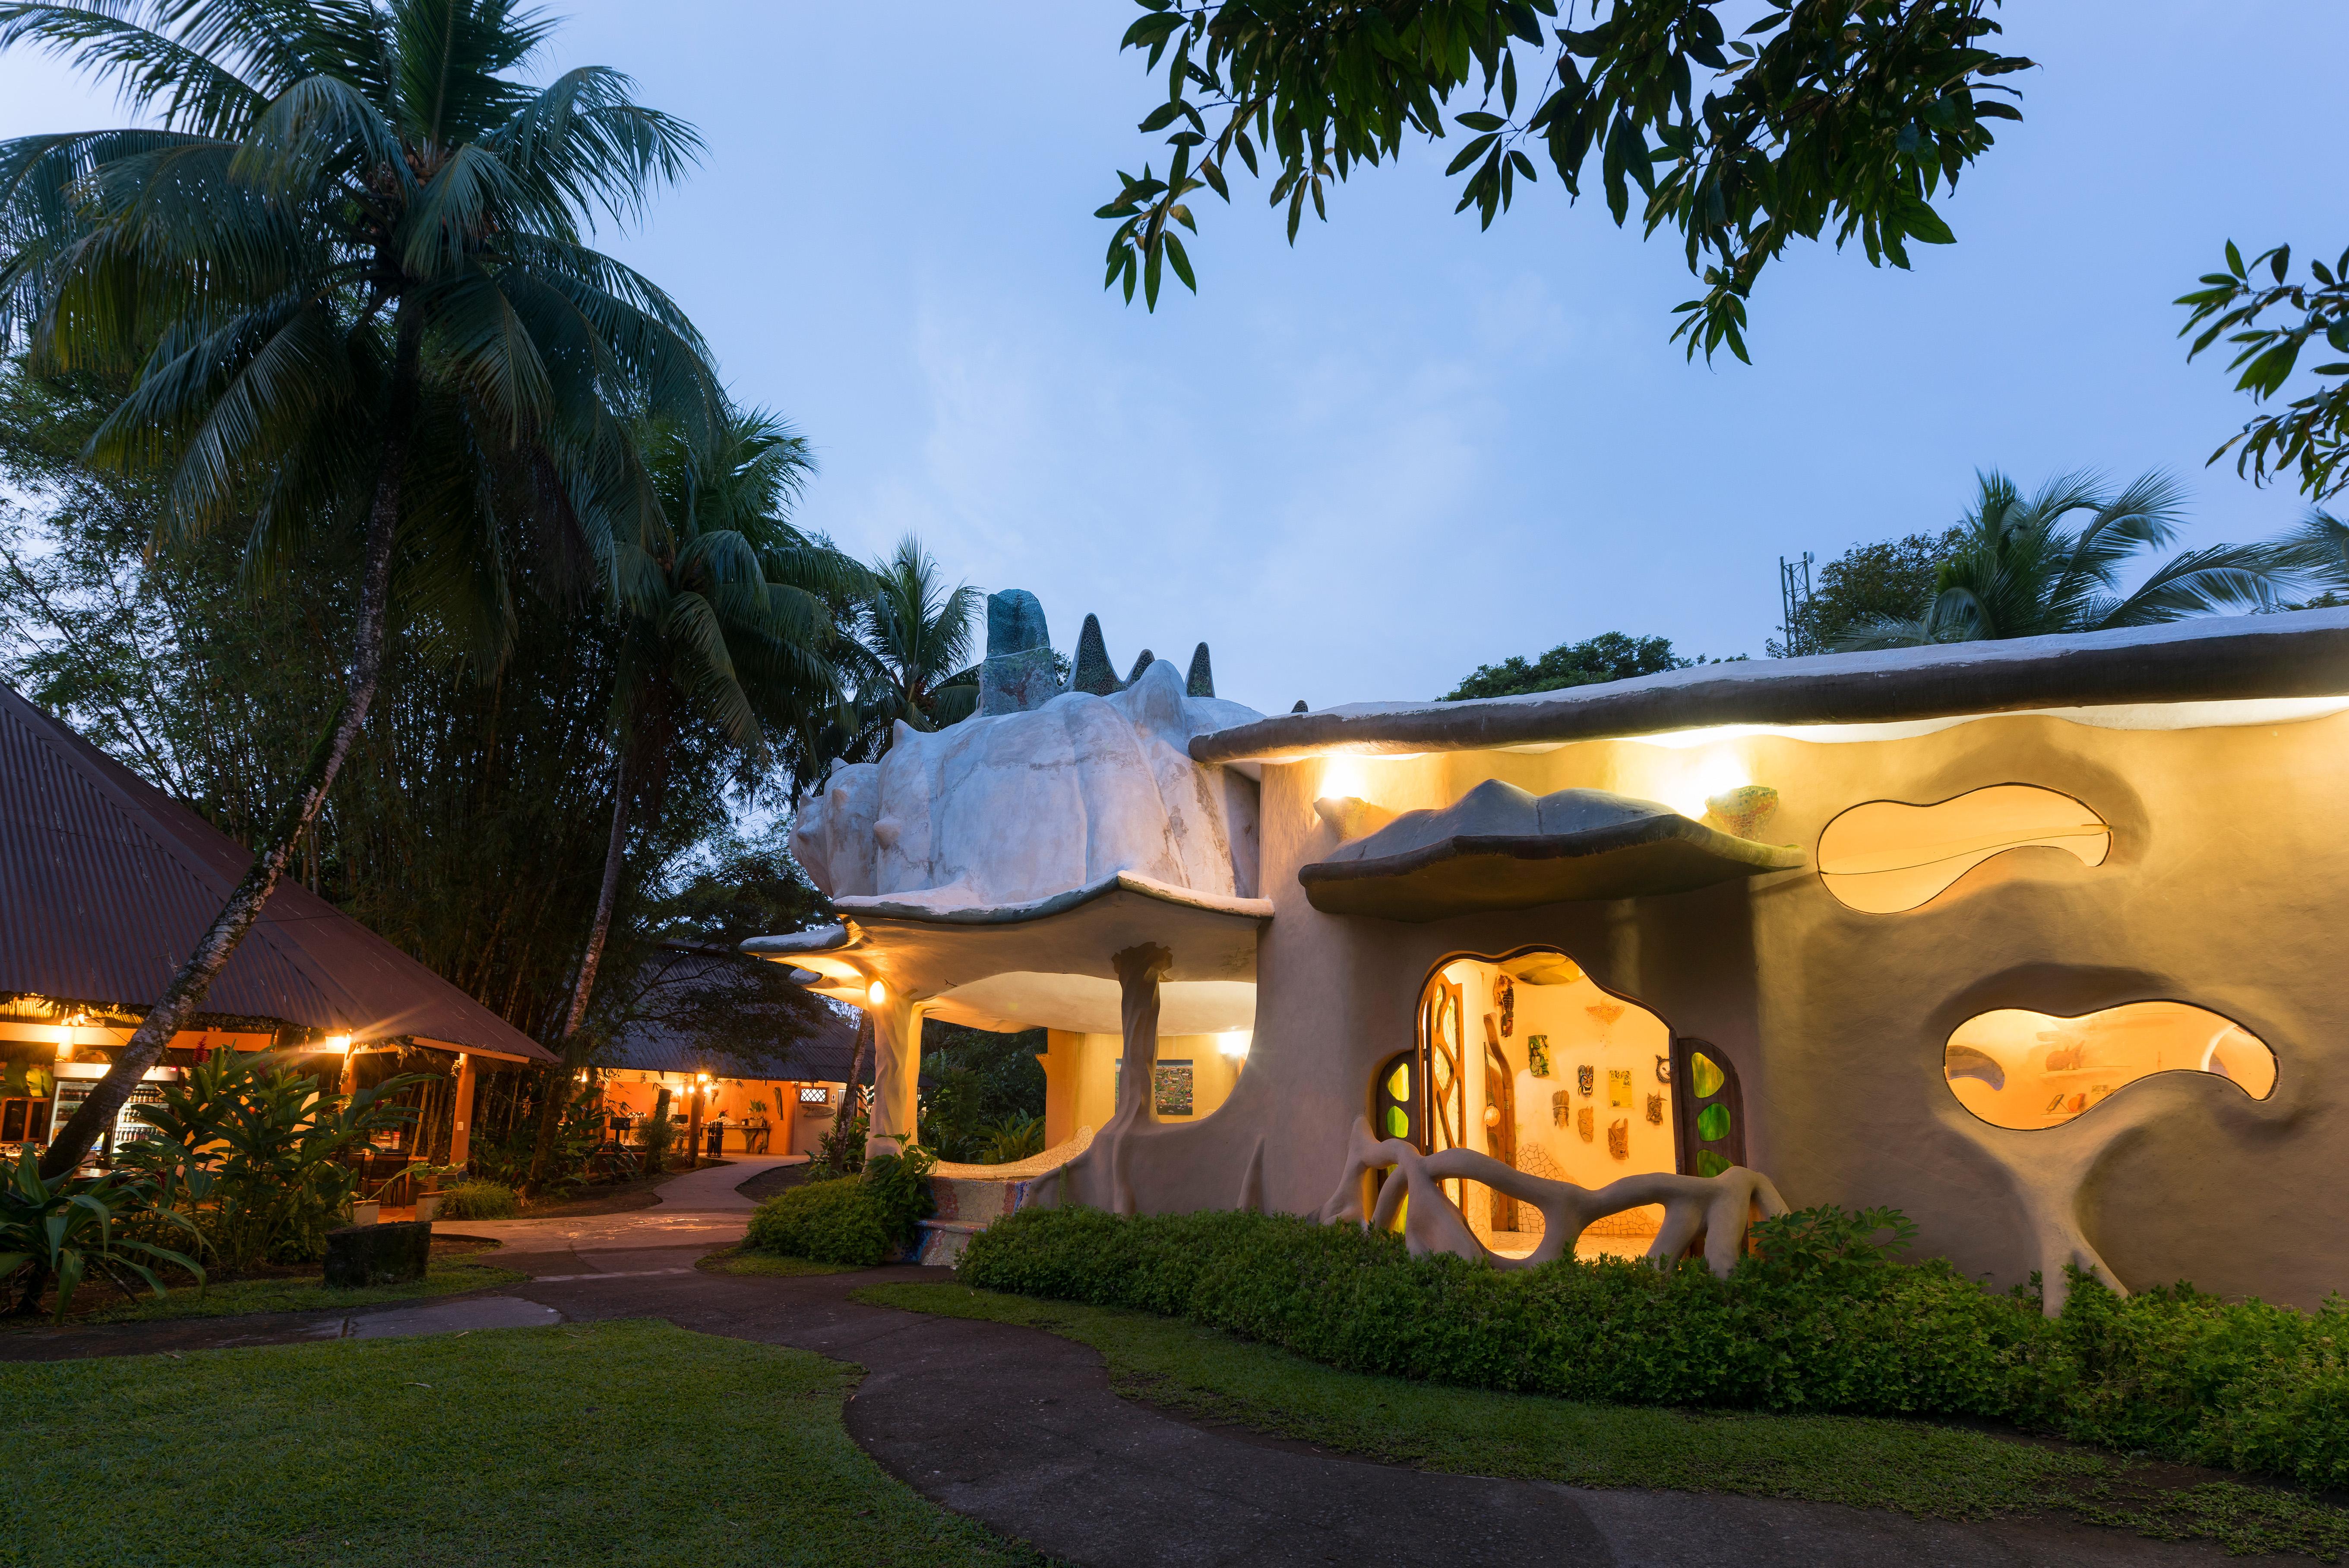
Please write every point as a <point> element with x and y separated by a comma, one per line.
<point>694,1100</point>
<point>461,1132</point>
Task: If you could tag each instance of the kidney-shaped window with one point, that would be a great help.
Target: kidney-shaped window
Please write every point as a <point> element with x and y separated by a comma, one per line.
<point>1887,856</point>
<point>2015,1067</point>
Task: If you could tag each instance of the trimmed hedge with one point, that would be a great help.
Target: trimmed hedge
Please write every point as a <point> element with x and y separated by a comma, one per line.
<point>478,1201</point>
<point>856,1220</point>
<point>1817,1319</point>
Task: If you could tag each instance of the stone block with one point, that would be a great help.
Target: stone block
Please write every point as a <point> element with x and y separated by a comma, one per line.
<point>377,1254</point>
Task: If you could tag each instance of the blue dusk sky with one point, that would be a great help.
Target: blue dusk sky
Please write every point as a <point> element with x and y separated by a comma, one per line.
<point>1362,467</point>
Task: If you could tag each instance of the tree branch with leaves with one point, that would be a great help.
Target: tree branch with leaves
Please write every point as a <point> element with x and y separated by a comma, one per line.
<point>1841,118</point>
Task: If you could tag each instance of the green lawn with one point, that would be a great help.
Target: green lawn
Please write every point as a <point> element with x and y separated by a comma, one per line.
<point>622,1443</point>
<point>742,1261</point>
<point>230,1297</point>
<point>1917,1467</point>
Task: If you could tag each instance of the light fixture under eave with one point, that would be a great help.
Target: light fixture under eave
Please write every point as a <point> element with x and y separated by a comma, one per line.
<point>877,993</point>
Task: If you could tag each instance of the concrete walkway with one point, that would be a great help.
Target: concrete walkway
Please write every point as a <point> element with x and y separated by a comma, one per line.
<point>1019,1429</point>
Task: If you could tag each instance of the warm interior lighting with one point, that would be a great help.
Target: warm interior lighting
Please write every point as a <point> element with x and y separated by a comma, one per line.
<point>877,993</point>
<point>1887,856</point>
<point>1234,1043</point>
<point>1714,773</point>
<point>1343,775</point>
<point>341,1043</point>
<point>2018,1068</point>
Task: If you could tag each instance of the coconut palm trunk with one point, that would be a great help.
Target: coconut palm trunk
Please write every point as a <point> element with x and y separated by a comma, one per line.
<point>185,992</point>
<point>575,1040</point>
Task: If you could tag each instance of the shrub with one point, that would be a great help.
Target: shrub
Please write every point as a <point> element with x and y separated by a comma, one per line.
<point>477,1201</point>
<point>835,1222</point>
<point>857,1220</point>
<point>1817,1319</point>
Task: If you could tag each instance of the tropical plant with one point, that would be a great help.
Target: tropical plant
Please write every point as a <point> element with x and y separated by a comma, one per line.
<point>258,1149</point>
<point>2311,432</point>
<point>2022,569</point>
<point>841,1150</point>
<point>1015,1137</point>
<point>707,637</point>
<point>2319,549</point>
<point>63,1229</point>
<point>347,270</point>
<point>1847,116</point>
<point>918,640</point>
<point>478,1201</point>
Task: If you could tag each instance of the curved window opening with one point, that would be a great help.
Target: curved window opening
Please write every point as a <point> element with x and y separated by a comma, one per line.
<point>2015,1067</point>
<point>1887,857</point>
<point>1528,1060</point>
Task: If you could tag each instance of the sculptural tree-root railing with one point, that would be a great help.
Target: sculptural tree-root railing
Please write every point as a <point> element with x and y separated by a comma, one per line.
<point>1715,1210</point>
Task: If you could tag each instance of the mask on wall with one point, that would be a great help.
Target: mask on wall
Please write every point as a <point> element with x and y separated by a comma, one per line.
<point>1655,1110</point>
<point>1582,1123</point>
<point>1663,1069</point>
<point>1586,1078</point>
<point>1618,1138</point>
<point>1560,1111</point>
<point>1505,992</point>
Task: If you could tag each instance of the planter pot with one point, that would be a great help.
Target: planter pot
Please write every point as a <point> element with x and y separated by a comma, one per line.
<point>427,1206</point>
<point>366,1213</point>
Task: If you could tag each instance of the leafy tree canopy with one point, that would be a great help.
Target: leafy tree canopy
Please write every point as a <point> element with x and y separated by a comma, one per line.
<point>1820,116</point>
<point>1893,579</point>
<point>2268,322</point>
<point>1608,656</point>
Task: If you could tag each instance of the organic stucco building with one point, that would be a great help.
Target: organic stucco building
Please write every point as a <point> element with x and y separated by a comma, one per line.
<point>2035,940</point>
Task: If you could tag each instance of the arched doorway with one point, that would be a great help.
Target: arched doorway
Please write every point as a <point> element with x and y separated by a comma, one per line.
<point>1527,1058</point>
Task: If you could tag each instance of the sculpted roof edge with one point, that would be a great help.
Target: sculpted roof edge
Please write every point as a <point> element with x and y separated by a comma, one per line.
<point>2303,653</point>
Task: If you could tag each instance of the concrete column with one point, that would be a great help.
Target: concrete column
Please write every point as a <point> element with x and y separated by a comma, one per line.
<point>1139,970</point>
<point>461,1135</point>
<point>896,1069</point>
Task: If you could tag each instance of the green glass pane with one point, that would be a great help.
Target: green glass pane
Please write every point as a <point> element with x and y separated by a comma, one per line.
<point>1708,1163</point>
<point>1398,1124</point>
<point>1713,1123</point>
<point>1398,1083</point>
<point>1705,1076</point>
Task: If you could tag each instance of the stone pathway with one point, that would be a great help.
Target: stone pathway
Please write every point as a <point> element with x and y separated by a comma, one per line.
<point>1018,1429</point>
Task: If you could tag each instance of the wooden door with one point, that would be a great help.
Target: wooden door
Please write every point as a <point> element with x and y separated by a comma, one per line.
<point>1500,1121</point>
<point>1442,1126</point>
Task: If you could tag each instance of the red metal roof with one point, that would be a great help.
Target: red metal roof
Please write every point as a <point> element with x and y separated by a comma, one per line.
<point>105,883</point>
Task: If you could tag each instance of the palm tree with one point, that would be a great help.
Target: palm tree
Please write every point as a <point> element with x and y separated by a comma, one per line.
<point>2022,572</point>
<point>722,616</point>
<point>2319,548</point>
<point>348,274</point>
<point>917,641</point>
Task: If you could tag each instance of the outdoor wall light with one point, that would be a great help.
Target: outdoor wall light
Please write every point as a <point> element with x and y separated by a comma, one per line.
<point>339,1043</point>
<point>877,993</point>
<point>1235,1042</point>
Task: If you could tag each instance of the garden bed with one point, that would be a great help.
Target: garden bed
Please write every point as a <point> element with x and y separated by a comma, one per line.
<point>1817,1321</point>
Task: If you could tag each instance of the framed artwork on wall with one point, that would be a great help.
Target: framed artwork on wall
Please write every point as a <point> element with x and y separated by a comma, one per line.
<point>1173,1085</point>
<point>1537,1055</point>
<point>1618,1089</point>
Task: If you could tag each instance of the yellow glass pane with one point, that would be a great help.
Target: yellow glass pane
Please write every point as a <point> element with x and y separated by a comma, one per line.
<point>1705,1076</point>
<point>1398,1083</point>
